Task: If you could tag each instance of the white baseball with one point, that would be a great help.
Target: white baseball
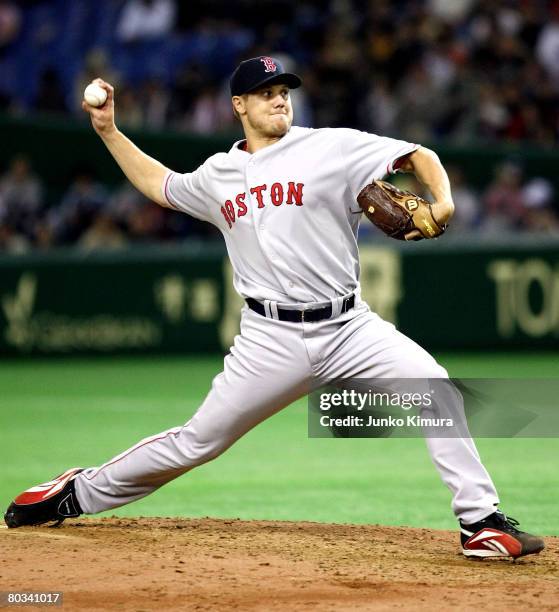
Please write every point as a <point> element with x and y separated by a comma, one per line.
<point>95,95</point>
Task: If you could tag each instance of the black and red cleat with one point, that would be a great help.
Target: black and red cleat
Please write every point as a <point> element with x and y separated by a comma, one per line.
<point>497,536</point>
<point>51,501</point>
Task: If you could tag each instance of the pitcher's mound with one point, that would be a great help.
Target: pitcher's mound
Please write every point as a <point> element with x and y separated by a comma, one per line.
<point>210,564</point>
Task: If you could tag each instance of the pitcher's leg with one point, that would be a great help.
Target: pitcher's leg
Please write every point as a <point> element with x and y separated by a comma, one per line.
<point>373,348</point>
<point>255,384</point>
<point>457,460</point>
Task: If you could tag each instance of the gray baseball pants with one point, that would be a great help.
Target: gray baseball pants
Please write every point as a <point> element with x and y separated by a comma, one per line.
<point>271,364</point>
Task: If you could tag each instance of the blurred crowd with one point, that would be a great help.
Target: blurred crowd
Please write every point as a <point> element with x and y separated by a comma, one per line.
<point>90,217</point>
<point>423,70</point>
<point>460,71</point>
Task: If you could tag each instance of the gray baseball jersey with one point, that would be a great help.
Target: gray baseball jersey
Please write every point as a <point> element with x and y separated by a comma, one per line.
<point>288,212</point>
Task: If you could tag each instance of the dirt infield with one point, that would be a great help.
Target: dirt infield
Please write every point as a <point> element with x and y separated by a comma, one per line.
<point>207,564</point>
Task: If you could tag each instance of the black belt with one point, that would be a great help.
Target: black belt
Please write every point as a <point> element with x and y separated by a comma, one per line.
<point>308,315</point>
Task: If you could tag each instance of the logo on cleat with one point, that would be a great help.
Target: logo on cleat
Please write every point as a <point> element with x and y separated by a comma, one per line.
<point>502,544</point>
<point>67,508</point>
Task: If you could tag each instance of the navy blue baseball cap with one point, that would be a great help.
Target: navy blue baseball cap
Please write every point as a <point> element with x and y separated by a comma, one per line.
<point>257,71</point>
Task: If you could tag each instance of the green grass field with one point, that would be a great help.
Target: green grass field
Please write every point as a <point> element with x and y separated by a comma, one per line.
<point>59,413</point>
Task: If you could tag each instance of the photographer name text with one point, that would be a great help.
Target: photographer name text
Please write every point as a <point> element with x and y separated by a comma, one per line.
<point>388,421</point>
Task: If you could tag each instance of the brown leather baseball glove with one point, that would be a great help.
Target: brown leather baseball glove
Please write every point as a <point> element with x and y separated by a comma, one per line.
<point>397,212</point>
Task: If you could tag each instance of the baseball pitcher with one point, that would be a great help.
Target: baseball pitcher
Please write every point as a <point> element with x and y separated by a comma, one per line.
<point>288,201</point>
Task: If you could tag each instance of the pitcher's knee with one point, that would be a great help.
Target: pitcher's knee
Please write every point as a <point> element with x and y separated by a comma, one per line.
<point>195,449</point>
<point>421,368</point>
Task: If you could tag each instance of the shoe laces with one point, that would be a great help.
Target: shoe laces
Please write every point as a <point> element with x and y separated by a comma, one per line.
<point>507,521</point>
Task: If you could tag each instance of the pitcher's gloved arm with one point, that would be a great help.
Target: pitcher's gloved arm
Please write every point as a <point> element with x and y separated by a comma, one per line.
<point>427,167</point>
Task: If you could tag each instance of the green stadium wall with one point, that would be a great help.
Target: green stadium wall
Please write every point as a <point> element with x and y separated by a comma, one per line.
<point>181,300</point>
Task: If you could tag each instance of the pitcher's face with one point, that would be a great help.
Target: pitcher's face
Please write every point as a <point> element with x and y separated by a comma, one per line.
<point>267,111</point>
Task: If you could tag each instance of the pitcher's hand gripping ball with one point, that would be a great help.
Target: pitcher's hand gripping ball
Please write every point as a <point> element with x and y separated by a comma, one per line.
<point>95,95</point>
<point>397,212</point>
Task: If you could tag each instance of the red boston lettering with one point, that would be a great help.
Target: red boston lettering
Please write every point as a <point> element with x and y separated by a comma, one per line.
<point>257,191</point>
<point>230,210</point>
<point>240,201</point>
<point>226,216</point>
<point>295,191</point>
<point>276,194</point>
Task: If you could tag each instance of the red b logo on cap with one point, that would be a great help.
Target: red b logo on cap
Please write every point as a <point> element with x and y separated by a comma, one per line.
<point>269,64</point>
